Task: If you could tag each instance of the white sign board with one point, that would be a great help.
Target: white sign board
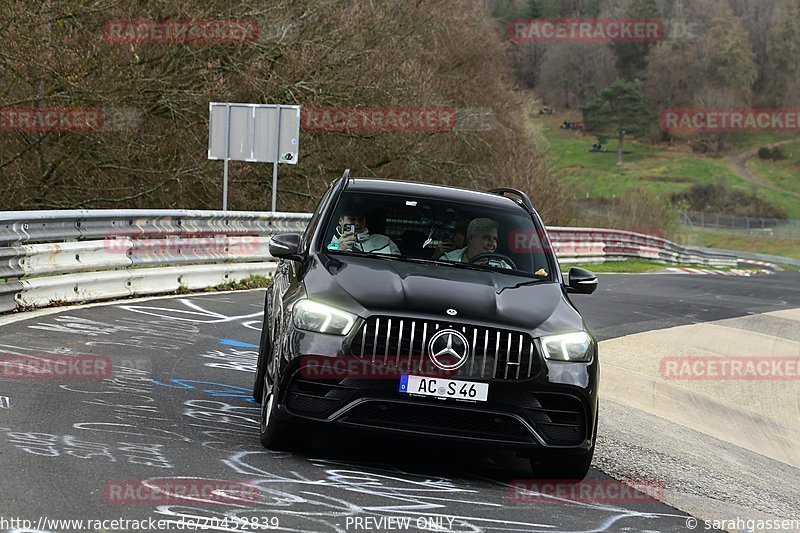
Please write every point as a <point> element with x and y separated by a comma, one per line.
<point>258,133</point>
<point>254,133</point>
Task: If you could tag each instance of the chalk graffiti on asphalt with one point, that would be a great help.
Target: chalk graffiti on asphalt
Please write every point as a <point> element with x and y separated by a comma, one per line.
<point>232,359</point>
<point>46,444</point>
<point>194,313</point>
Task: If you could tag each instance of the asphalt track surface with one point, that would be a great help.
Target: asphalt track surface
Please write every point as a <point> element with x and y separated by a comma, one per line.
<point>178,406</point>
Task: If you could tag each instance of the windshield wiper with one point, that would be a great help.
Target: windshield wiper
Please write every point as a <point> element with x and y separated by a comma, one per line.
<point>524,283</point>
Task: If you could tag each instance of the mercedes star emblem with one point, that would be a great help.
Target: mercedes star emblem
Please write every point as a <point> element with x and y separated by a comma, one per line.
<point>448,349</point>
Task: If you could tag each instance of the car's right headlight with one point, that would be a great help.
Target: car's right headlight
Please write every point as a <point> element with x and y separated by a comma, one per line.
<point>315,316</point>
<point>575,346</point>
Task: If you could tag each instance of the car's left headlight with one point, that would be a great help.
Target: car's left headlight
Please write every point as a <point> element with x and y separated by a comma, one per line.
<point>322,318</point>
<point>575,346</point>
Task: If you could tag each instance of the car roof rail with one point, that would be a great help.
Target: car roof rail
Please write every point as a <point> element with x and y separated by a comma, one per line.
<point>344,179</point>
<point>523,198</point>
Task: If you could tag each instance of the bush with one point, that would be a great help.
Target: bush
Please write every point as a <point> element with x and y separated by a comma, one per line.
<point>639,210</point>
<point>720,198</point>
<point>704,145</point>
<point>774,154</point>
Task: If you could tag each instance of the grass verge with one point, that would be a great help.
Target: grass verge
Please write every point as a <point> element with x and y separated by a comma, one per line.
<point>784,173</point>
<point>251,282</point>
<point>745,243</point>
<point>634,266</point>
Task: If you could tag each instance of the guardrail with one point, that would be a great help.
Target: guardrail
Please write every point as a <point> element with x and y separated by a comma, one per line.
<point>573,245</point>
<point>53,257</point>
<point>49,257</point>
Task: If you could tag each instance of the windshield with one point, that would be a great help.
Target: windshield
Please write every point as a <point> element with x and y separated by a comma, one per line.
<point>454,234</point>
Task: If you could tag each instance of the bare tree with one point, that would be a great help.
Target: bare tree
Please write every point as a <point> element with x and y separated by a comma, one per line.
<point>574,73</point>
<point>674,75</point>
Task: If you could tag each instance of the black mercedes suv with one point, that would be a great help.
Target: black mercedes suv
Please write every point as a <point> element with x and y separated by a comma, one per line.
<point>432,312</point>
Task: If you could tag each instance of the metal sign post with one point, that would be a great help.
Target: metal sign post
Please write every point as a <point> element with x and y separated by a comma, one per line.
<point>227,154</point>
<point>258,133</point>
<point>275,163</point>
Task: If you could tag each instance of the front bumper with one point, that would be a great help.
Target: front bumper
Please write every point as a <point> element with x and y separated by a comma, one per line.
<point>553,411</point>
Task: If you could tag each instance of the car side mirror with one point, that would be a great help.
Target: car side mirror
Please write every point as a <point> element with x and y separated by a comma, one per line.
<point>286,246</point>
<point>581,281</point>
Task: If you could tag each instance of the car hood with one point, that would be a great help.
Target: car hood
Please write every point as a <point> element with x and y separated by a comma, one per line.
<point>374,286</point>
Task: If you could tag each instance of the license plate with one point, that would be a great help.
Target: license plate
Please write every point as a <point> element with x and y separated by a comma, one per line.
<point>444,388</point>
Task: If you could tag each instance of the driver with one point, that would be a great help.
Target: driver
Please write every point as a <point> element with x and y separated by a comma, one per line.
<point>481,239</point>
<point>360,239</point>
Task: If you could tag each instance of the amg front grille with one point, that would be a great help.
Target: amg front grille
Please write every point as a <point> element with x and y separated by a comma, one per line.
<point>403,343</point>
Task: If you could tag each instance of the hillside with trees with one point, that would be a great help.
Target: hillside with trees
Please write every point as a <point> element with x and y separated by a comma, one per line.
<point>714,52</point>
<point>151,150</point>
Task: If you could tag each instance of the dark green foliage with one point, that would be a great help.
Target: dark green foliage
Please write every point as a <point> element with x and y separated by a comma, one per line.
<point>534,9</point>
<point>632,56</point>
<point>775,153</point>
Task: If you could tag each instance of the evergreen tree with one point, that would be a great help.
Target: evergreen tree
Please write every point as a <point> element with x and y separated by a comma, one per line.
<point>534,9</point>
<point>621,109</point>
<point>632,56</point>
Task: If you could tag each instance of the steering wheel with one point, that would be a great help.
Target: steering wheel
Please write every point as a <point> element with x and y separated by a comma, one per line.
<point>495,255</point>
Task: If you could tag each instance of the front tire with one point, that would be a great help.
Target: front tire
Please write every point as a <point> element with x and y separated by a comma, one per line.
<point>264,349</point>
<point>276,435</point>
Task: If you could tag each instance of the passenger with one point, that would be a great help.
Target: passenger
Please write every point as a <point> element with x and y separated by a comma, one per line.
<point>360,239</point>
<point>457,240</point>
